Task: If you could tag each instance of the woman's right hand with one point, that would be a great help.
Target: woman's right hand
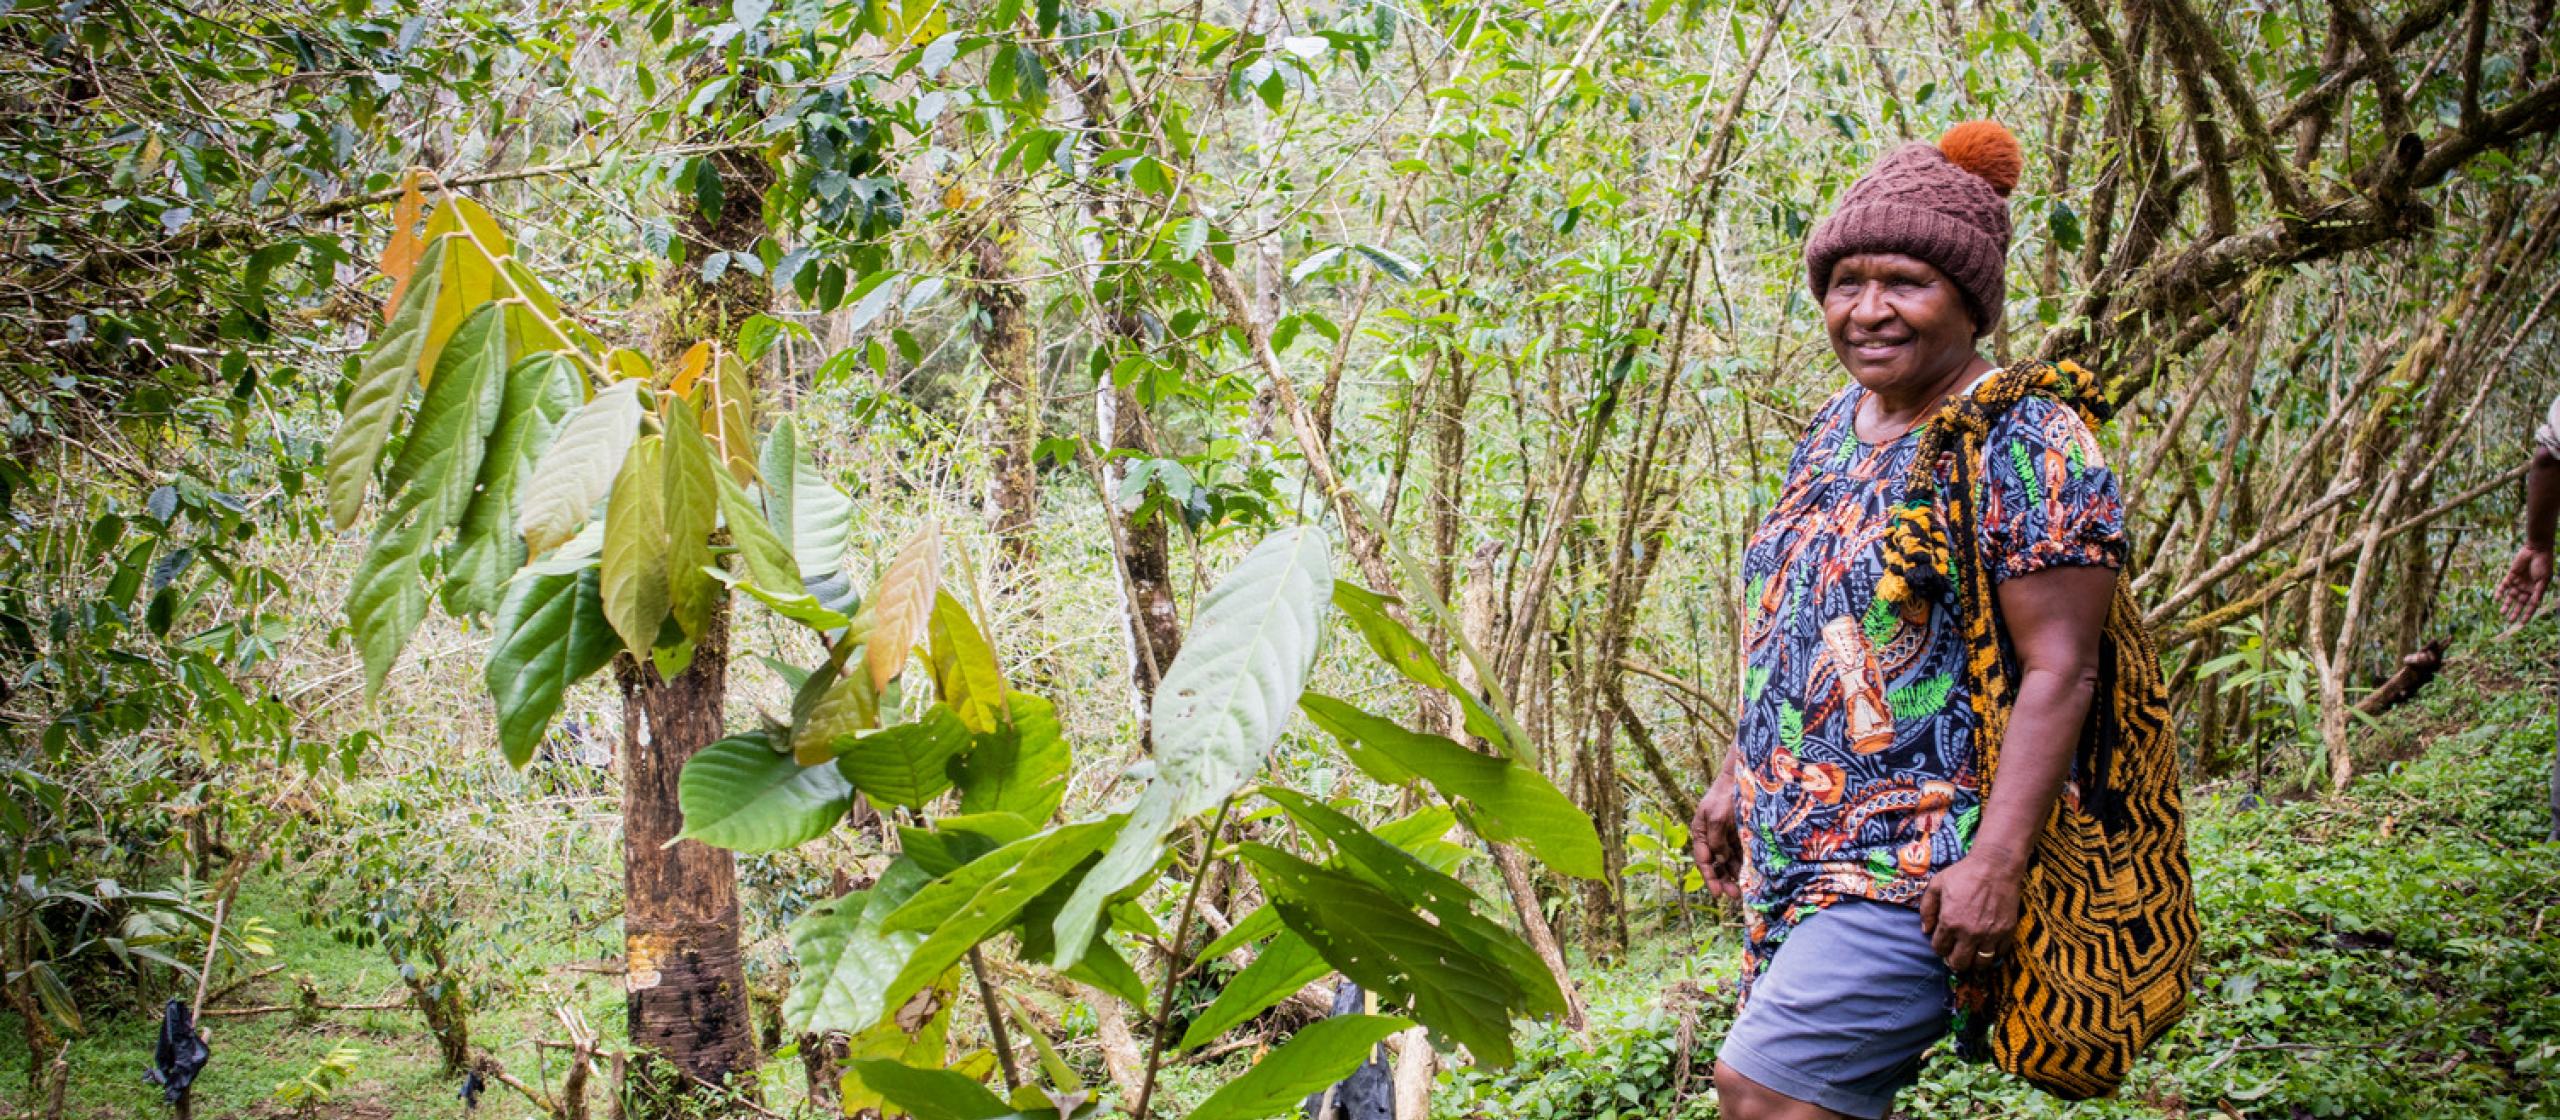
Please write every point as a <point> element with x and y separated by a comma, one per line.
<point>1715,840</point>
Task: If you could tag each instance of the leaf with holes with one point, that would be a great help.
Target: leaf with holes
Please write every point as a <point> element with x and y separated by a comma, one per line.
<point>1221,705</point>
<point>579,468</point>
<point>901,604</point>
<point>1384,947</point>
<point>1449,902</point>
<point>906,765</point>
<point>1420,834</point>
<point>550,633</point>
<point>1322,1053</point>
<point>742,794</point>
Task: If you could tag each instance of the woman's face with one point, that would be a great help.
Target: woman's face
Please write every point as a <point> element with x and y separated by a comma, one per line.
<point>1896,321</point>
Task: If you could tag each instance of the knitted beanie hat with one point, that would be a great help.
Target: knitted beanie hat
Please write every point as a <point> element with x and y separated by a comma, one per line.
<point>1945,203</point>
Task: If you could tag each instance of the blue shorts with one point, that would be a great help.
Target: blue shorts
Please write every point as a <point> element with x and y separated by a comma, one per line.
<point>1845,1012</point>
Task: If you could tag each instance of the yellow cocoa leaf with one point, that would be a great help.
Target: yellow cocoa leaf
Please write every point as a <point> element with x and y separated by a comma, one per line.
<point>470,279</point>
<point>689,370</point>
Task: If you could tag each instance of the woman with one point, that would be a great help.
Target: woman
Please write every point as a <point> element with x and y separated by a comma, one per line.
<point>1852,816</point>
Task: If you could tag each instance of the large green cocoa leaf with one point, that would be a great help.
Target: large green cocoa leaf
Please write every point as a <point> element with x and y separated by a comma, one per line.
<point>635,548</point>
<point>1222,703</point>
<point>810,514</point>
<point>1408,879</point>
<point>579,467</point>
<point>450,434</point>
<point>1020,766</point>
<point>770,567</point>
<point>906,765</point>
<point>929,1094</point>
<point>1505,800</point>
<point>1382,945</point>
<point>982,896</point>
<point>380,385</point>
<point>387,597</point>
<point>956,840</point>
<point>742,794</point>
<point>428,485</point>
<point>1322,1053</point>
<point>541,391</point>
<point>1285,965</point>
<point>1420,834</point>
<point>1406,654</point>
<point>691,507</point>
<point>846,961</point>
<point>550,633</point>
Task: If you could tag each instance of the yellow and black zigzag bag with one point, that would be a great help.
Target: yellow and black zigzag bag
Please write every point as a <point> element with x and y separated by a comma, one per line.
<point>2107,939</point>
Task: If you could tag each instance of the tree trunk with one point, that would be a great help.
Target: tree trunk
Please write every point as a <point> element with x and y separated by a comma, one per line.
<point>687,991</point>
<point>1013,396</point>
<point>1146,552</point>
<point>1416,1067</point>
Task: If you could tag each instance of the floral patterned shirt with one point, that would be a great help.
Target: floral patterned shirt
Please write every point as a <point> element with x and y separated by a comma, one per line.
<point>1858,774</point>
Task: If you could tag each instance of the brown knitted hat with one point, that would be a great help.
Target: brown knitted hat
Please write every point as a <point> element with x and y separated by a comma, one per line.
<point>1945,203</point>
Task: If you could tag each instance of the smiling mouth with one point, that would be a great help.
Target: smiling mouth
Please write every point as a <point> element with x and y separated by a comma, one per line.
<point>1873,348</point>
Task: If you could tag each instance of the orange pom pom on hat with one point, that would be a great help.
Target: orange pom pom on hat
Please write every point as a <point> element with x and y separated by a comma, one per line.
<point>1946,203</point>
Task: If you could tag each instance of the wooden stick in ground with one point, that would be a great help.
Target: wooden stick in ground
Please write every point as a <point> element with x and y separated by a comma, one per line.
<point>488,1067</point>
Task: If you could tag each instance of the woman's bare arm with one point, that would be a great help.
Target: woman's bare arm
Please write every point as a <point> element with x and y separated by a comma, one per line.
<point>2055,619</point>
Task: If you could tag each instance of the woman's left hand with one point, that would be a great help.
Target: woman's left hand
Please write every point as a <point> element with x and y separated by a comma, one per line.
<point>1970,911</point>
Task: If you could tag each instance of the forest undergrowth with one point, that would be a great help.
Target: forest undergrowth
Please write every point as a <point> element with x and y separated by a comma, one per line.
<point>2390,952</point>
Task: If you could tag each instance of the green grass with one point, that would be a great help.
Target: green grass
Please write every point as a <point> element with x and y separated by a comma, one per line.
<point>398,1075</point>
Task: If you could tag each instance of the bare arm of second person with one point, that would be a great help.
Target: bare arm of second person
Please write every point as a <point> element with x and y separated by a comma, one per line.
<point>2520,594</point>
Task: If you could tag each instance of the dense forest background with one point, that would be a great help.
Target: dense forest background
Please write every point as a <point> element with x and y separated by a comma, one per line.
<point>1053,338</point>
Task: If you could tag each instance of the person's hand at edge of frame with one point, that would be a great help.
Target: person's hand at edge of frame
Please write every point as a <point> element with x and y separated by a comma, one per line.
<point>1715,839</point>
<point>2520,594</point>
